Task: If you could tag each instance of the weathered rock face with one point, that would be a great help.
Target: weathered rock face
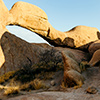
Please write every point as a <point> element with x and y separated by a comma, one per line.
<point>94,51</point>
<point>19,53</point>
<point>75,54</point>
<point>93,47</point>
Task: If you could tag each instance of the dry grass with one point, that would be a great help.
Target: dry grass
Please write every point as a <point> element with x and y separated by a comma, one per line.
<point>25,87</point>
<point>33,85</point>
<point>6,76</point>
<point>11,90</point>
<point>84,65</point>
<point>63,85</point>
<point>79,85</point>
<point>37,84</point>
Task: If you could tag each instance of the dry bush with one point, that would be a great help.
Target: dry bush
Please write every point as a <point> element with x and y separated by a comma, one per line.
<point>51,55</point>
<point>25,87</point>
<point>6,76</point>
<point>37,84</point>
<point>23,76</point>
<point>33,85</point>
<point>84,65</point>
<point>11,90</point>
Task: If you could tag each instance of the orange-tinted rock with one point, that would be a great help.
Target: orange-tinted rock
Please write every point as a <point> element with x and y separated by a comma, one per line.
<point>35,19</point>
<point>4,13</point>
<point>83,36</point>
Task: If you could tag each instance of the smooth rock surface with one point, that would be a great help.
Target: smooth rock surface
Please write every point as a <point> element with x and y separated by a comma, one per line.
<point>93,47</point>
<point>19,53</point>
<point>95,58</point>
<point>83,36</point>
<point>35,19</point>
<point>72,72</point>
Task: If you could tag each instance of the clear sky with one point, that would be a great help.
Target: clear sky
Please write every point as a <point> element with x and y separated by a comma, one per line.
<point>62,14</point>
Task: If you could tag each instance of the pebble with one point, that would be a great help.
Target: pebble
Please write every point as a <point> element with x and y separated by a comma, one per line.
<point>92,90</point>
<point>52,83</point>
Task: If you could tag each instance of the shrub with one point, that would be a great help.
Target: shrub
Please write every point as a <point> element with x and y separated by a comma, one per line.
<point>23,76</point>
<point>84,65</point>
<point>33,85</point>
<point>52,55</point>
<point>37,84</point>
<point>11,91</point>
<point>6,76</point>
<point>25,87</point>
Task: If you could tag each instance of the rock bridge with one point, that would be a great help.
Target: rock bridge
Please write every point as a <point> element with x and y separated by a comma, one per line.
<point>35,19</point>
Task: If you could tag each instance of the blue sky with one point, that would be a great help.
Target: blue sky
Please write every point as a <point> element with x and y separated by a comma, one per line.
<point>62,14</point>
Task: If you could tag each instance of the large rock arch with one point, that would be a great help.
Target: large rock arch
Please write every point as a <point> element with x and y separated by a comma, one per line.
<point>35,19</point>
